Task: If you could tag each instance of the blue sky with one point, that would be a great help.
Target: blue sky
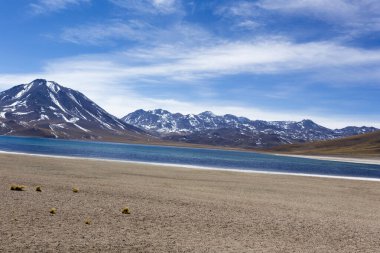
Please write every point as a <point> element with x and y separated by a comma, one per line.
<point>263,59</point>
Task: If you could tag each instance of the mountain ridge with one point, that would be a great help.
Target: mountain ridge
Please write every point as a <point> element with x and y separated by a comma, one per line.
<point>46,109</point>
<point>234,131</point>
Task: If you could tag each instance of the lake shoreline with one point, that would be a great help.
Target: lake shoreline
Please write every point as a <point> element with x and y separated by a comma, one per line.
<point>194,167</point>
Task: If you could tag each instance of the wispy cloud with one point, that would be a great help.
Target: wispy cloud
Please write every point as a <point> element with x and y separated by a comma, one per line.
<point>265,56</point>
<point>189,62</point>
<point>134,30</point>
<point>364,14</point>
<point>351,17</point>
<point>238,9</point>
<point>105,33</point>
<point>247,24</point>
<point>243,14</point>
<point>47,6</point>
<point>150,6</point>
<point>324,8</point>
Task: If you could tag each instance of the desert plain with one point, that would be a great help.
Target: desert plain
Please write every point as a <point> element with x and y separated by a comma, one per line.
<point>176,209</point>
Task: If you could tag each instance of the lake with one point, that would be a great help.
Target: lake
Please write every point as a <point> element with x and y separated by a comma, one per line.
<point>224,159</point>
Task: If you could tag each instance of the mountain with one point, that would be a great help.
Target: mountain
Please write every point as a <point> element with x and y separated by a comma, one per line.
<point>233,131</point>
<point>47,109</point>
<point>359,145</point>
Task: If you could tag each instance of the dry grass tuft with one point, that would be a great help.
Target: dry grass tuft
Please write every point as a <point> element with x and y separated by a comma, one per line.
<point>126,210</point>
<point>75,190</point>
<point>38,189</point>
<point>18,188</point>
<point>53,210</point>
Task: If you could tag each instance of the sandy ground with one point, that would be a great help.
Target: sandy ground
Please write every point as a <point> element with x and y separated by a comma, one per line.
<point>375,161</point>
<point>180,210</point>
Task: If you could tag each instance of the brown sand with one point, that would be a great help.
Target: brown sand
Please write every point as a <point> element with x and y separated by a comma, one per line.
<point>180,210</point>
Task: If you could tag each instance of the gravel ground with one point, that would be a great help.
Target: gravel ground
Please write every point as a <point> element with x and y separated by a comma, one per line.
<point>180,210</point>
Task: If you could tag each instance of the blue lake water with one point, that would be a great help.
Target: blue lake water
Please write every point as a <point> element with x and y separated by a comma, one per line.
<point>186,156</point>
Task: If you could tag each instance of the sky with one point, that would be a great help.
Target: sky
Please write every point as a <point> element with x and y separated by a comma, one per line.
<point>262,59</point>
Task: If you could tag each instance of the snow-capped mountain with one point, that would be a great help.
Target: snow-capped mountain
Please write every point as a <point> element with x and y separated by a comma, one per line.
<point>230,130</point>
<point>45,108</point>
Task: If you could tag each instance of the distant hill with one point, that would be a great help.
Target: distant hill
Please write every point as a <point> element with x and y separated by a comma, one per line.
<point>360,145</point>
<point>232,131</point>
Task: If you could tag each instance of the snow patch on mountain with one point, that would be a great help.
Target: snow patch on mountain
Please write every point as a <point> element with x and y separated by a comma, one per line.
<point>208,127</point>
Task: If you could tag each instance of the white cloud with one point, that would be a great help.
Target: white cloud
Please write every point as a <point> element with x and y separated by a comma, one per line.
<point>46,6</point>
<point>248,24</point>
<point>150,6</point>
<point>363,14</point>
<point>353,17</point>
<point>188,63</point>
<point>166,5</point>
<point>135,30</point>
<point>243,14</point>
<point>327,8</point>
<point>120,74</point>
<point>98,34</point>
<point>238,9</point>
<point>256,57</point>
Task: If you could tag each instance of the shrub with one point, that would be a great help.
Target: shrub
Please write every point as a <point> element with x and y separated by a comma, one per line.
<point>125,210</point>
<point>87,222</point>
<point>75,190</point>
<point>53,210</point>
<point>38,189</point>
<point>17,187</point>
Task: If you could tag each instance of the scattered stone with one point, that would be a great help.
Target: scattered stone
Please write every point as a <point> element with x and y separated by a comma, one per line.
<point>126,210</point>
<point>18,188</point>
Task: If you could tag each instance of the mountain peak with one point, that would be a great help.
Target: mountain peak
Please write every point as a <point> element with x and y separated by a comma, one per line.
<point>58,110</point>
<point>38,81</point>
<point>53,86</point>
<point>207,113</point>
<point>307,121</point>
<point>160,111</point>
